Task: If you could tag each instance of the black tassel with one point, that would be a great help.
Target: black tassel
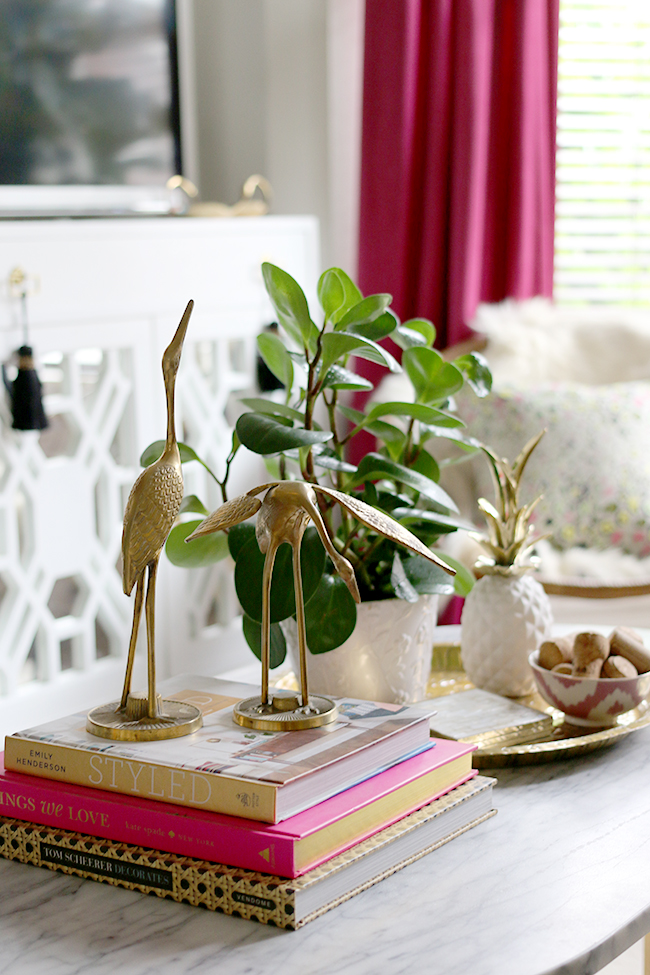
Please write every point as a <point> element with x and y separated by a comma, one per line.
<point>25,393</point>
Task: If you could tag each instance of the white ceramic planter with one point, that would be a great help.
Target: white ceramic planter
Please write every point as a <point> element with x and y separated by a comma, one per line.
<point>387,658</point>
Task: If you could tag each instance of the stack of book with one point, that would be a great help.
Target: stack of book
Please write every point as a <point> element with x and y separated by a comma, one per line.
<point>274,827</point>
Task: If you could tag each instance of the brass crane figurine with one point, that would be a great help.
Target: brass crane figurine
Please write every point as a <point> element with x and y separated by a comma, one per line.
<point>283,516</point>
<point>151,510</point>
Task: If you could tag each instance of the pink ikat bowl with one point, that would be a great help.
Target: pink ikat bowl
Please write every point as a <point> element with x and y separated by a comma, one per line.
<point>592,702</point>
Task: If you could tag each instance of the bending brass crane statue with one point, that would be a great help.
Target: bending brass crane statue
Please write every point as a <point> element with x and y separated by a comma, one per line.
<point>283,516</point>
<point>151,510</point>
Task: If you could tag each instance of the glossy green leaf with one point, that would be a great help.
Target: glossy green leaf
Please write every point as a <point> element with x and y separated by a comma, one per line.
<point>355,416</point>
<point>366,310</point>
<point>198,553</point>
<point>267,435</point>
<point>330,615</point>
<point>457,435</point>
<point>433,379</point>
<point>248,576</point>
<point>238,536</point>
<point>424,577</point>
<point>426,464</point>
<point>377,353</point>
<point>337,293</point>
<point>463,580</point>
<point>408,338</point>
<point>329,460</point>
<point>338,345</point>
<point>386,432</point>
<point>400,582</point>
<point>476,370</point>
<point>370,494</point>
<point>388,500</point>
<point>275,355</point>
<point>373,467</point>
<point>152,453</point>
<point>252,630</point>
<point>270,408</point>
<point>193,505</point>
<point>418,411</point>
<point>331,294</point>
<point>379,328</point>
<point>442,523</point>
<point>290,304</point>
<point>445,420</point>
<point>339,378</point>
<point>423,327</point>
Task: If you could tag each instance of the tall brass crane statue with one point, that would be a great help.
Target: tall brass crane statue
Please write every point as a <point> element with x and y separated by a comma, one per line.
<point>151,510</point>
<point>283,516</point>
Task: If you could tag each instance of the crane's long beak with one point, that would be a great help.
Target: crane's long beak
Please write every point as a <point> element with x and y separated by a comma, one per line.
<point>176,344</point>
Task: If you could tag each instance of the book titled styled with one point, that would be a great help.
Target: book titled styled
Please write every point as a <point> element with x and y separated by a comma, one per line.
<point>289,848</point>
<point>253,895</point>
<point>223,767</point>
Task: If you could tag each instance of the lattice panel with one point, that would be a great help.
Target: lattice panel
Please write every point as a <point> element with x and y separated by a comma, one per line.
<point>62,497</point>
<point>61,502</point>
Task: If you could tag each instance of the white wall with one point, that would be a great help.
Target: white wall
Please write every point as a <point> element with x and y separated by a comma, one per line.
<point>277,85</point>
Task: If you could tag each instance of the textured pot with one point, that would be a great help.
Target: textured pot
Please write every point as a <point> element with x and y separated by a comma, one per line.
<point>505,618</point>
<point>387,657</point>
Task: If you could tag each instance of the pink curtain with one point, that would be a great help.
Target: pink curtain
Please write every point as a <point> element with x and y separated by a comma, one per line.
<point>458,155</point>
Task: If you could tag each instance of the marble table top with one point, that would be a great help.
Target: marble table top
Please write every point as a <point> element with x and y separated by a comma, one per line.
<point>557,882</point>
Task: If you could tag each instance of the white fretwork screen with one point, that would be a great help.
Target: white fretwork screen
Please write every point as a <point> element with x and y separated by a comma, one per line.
<point>64,620</point>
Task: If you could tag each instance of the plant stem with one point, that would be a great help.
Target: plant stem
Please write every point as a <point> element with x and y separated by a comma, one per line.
<point>408,449</point>
<point>310,403</point>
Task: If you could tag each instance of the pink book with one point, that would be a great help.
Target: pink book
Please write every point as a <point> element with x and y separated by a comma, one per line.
<point>287,849</point>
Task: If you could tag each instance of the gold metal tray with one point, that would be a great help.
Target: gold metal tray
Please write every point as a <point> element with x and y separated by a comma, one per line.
<point>564,741</point>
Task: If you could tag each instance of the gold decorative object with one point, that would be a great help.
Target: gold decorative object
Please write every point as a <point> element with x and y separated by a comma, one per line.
<point>152,507</point>
<point>283,516</point>
<point>507,614</point>
<point>510,535</point>
<point>562,741</point>
<point>247,206</point>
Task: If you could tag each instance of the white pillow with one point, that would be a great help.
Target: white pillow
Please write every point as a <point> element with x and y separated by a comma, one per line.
<point>535,341</point>
<point>592,466</point>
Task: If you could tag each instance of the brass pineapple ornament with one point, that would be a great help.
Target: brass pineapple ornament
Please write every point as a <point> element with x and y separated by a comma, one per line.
<point>507,614</point>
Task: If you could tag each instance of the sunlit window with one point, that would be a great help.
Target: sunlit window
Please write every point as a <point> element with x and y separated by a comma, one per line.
<point>603,159</point>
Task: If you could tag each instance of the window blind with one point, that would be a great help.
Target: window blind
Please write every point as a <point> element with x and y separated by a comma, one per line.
<point>602,229</point>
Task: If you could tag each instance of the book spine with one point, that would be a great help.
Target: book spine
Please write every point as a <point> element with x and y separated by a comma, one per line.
<point>256,896</point>
<point>165,783</point>
<point>136,820</point>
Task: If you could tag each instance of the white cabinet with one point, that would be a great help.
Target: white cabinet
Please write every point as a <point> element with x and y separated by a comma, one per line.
<point>110,294</point>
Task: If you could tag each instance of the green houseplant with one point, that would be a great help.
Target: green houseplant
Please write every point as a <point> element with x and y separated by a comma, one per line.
<point>305,431</point>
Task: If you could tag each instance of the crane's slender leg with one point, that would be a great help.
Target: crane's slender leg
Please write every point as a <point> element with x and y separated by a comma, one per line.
<point>300,619</point>
<point>137,612</point>
<point>150,610</point>
<point>267,575</point>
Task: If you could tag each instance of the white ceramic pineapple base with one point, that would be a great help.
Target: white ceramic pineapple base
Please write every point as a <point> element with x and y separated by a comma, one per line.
<point>387,658</point>
<point>505,618</point>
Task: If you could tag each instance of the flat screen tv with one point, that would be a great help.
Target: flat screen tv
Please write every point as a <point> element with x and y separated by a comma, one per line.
<point>89,118</point>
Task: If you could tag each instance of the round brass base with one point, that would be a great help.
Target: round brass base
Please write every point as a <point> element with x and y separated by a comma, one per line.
<point>284,713</point>
<point>174,719</point>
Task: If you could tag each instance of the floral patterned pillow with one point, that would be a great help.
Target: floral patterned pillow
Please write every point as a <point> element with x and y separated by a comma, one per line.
<point>592,467</point>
